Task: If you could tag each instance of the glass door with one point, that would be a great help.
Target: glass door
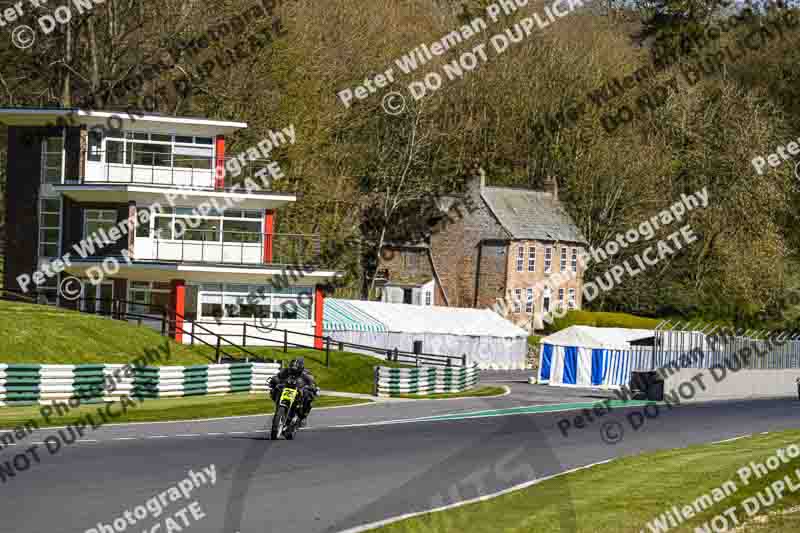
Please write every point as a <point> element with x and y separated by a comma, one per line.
<point>98,298</point>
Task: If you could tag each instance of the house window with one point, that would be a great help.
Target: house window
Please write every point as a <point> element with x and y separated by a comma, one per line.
<point>97,219</point>
<point>520,258</point>
<point>517,300</point>
<point>574,259</point>
<point>410,260</point>
<point>563,259</point>
<point>546,300</point>
<point>548,259</point>
<point>529,300</point>
<point>532,259</point>
<point>49,226</point>
<point>148,297</point>
<point>158,150</point>
<point>571,301</point>
<point>236,225</point>
<point>95,145</point>
<point>52,159</point>
<point>428,297</point>
<point>233,300</point>
<point>561,297</point>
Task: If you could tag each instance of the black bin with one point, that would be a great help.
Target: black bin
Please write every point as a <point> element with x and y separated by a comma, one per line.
<point>417,347</point>
<point>647,385</point>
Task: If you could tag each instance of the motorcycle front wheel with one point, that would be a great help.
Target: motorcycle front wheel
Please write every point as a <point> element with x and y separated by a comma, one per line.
<point>278,422</point>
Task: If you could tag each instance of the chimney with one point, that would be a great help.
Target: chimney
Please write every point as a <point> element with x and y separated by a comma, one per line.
<point>483,178</point>
<point>551,186</point>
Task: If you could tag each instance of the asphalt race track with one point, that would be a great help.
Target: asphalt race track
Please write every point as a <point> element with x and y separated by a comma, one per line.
<point>335,476</point>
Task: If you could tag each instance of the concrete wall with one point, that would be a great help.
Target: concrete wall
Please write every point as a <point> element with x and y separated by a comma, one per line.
<point>233,332</point>
<point>726,385</point>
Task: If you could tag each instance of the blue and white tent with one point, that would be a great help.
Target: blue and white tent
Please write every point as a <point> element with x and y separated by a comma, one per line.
<point>586,356</point>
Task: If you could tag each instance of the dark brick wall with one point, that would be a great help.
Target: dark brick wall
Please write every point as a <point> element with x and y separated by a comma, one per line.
<point>23,176</point>
<point>491,277</point>
<point>456,249</point>
<point>73,160</point>
<point>403,270</point>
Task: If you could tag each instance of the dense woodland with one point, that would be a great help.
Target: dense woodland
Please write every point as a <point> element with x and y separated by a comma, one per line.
<point>362,171</point>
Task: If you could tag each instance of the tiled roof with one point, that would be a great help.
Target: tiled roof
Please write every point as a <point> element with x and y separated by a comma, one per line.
<point>534,215</point>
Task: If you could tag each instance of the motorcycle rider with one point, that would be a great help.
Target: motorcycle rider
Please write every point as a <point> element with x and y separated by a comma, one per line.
<point>305,384</point>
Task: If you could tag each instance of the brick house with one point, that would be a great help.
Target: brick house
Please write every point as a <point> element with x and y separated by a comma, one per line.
<point>498,245</point>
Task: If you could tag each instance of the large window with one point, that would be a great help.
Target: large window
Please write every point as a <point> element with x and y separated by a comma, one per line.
<point>529,300</point>
<point>561,297</point>
<point>517,300</point>
<point>571,301</point>
<point>49,226</point>
<point>574,259</point>
<point>563,265</point>
<point>228,300</point>
<point>155,149</point>
<point>96,219</point>
<point>52,159</point>
<point>150,298</point>
<point>532,258</point>
<point>548,259</point>
<point>232,225</point>
<point>546,300</point>
<point>520,257</point>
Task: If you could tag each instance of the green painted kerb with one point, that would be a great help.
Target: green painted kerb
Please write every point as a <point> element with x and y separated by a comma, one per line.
<point>532,409</point>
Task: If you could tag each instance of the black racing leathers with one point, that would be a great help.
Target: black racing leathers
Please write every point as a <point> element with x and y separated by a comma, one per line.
<point>305,383</point>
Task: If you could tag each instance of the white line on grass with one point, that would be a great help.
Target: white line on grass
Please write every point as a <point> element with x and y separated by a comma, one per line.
<point>732,439</point>
<point>373,525</point>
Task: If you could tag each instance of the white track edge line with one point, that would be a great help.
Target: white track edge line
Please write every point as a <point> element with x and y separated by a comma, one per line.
<point>732,439</point>
<point>196,420</point>
<point>387,521</point>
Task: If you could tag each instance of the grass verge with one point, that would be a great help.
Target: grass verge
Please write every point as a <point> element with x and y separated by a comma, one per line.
<point>48,335</point>
<point>32,333</point>
<point>348,372</point>
<point>473,393</point>
<point>626,495</point>
<point>602,320</point>
<point>155,410</point>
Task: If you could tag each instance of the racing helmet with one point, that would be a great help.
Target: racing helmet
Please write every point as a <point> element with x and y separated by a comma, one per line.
<point>297,366</point>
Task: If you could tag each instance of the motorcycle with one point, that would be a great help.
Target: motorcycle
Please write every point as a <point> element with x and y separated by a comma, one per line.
<point>286,419</point>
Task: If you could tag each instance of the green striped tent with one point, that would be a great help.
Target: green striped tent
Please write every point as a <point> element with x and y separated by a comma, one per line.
<point>341,315</point>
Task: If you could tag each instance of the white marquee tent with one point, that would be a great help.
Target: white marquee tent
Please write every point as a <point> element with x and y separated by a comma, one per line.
<point>587,356</point>
<point>484,336</point>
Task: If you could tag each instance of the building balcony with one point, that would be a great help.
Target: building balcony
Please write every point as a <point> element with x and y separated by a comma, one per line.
<point>162,170</point>
<point>236,248</point>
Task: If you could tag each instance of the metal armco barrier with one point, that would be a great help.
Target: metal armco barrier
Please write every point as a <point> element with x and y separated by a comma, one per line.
<point>424,380</point>
<point>44,384</point>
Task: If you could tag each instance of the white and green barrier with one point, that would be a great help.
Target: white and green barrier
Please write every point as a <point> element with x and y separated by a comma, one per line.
<point>44,384</point>
<point>425,380</point>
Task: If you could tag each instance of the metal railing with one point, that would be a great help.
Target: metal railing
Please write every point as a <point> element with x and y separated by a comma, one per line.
<point>698,345</point>
<point>237,247</point>
<point>168,169</point>
<point>396,355</point>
